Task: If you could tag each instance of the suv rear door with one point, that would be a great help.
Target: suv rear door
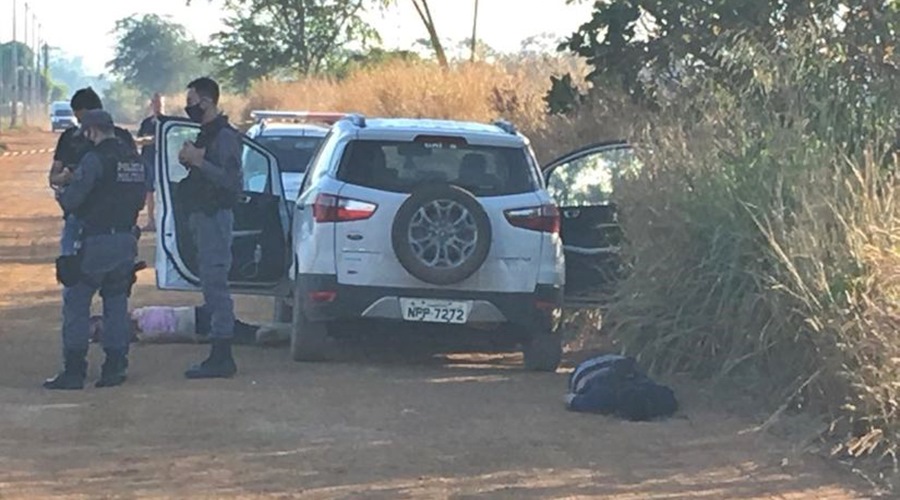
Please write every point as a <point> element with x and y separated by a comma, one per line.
<point>581,185</point>
<point>260,249</point>
<point>507,181</point>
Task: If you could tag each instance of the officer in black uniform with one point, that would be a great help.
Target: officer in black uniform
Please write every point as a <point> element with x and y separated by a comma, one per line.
<point>70,148</point>
<point>210,192</point>
<point>106,193</point>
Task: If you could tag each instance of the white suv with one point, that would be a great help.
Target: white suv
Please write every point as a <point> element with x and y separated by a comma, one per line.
<point>415,221</point>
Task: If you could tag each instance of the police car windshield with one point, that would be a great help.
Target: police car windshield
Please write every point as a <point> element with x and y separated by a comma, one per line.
<point>292,152</point>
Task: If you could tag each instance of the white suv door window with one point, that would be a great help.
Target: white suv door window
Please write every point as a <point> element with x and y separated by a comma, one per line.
<point>582,185</point>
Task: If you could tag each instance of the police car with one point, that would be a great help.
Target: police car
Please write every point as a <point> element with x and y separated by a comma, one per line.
<point>440,224</point>
<point>293,137</point>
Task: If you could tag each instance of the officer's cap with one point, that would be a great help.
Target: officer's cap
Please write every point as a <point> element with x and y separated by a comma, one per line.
<point>96,118</point>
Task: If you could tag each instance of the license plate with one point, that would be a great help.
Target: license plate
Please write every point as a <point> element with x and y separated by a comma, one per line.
<point>435,311</point>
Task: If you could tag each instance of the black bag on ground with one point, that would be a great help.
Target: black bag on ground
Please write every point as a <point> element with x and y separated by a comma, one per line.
<point>615,385</point>
<point>646,400</point>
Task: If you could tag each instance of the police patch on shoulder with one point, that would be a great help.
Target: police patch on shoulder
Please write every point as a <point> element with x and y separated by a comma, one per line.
<point>129,171</point>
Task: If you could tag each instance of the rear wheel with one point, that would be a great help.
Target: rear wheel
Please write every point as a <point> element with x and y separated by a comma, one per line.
<point>309,339</point>
<point>542,352</point>
<point>441,234</point>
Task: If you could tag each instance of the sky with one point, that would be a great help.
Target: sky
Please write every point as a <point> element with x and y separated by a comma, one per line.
<point>82,27</point>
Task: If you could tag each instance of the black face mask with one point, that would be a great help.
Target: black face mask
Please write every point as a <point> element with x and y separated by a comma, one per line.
<point>195,112</point>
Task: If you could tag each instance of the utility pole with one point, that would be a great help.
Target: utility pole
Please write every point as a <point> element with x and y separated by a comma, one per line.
<point>35,73</point>
<point>26,75</point>
<point>46,50</point>
<point>474,32</point>
<point>15,69</point>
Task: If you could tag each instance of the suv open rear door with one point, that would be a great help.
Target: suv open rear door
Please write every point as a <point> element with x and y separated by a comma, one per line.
<point>581,184</point>
<point>260,251</point>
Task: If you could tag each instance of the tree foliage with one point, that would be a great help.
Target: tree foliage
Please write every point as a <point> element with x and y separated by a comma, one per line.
<point>24,55</point>
<point>25,58</point>
<point>271,37</point>
<point>639,44</point>
<point>154,54</point>
<point>71,73</point>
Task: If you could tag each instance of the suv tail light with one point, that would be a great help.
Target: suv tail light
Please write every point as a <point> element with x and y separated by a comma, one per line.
<point>544,218</point>
<point>332,208</point>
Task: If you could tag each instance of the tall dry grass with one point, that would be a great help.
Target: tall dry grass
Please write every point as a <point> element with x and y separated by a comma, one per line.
<point>477,92</point>
<point>765,236</point>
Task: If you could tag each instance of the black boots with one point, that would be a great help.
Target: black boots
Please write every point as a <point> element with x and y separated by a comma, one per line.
<point>74,371</point>
<point>114,368</point>
<point>219,364</point>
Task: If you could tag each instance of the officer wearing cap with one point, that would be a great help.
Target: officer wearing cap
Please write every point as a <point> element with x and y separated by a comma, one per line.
<point>106,193</point>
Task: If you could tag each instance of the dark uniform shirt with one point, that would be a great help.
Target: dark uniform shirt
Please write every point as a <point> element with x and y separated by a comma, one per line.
<point>72,145</point>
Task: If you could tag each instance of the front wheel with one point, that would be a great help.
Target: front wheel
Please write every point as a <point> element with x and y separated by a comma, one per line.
<point>309,339</point>
<point>543,352</point>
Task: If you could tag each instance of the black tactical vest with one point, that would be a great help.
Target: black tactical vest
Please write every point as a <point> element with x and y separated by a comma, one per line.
<point>197,193</point>
<point>116,200</point>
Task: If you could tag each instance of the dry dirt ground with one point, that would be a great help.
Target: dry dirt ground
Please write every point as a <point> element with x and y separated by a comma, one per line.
<point>382,422</point>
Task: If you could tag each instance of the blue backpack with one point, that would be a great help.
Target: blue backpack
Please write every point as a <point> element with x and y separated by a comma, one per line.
<point>614,385</point>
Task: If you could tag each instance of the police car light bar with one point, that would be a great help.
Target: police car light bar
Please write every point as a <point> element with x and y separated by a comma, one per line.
<point>297,116</point>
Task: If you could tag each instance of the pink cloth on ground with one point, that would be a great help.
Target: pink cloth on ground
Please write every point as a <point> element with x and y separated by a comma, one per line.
<point>156,320</point>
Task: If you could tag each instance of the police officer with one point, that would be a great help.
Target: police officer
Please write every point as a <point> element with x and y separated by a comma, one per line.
<point>210,192</point>
<point>70,148</point>
<point>106,193</point>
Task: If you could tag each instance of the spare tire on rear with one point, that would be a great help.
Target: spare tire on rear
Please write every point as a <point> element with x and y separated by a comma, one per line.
<point>441,234</point>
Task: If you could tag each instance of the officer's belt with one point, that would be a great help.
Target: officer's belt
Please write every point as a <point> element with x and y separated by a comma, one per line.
<point>97,231</point>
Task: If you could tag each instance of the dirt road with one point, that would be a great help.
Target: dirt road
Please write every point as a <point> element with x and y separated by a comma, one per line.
<point>384,422</point>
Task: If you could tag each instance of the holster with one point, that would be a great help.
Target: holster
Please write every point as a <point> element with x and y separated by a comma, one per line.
<point>68,269</point>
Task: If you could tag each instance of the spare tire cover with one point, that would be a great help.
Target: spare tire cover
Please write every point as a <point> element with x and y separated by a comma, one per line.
<point>441,234</point>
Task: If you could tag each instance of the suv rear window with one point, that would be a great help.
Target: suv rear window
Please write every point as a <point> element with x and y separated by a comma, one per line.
<point>401,166</point>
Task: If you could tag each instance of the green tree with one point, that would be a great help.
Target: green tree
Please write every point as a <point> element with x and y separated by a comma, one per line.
<point>70,72</point>
<point>637,44</point>
<point>271,37</point>
<point>26,59</point>
<point>154,54</point>
<point>124,102</point>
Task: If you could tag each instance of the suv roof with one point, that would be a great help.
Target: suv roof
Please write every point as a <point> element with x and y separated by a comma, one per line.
<point>407,129</point>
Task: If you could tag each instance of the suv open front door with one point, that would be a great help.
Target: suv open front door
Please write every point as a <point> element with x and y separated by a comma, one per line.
<point>260,251</point>
<point>581,184</point>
